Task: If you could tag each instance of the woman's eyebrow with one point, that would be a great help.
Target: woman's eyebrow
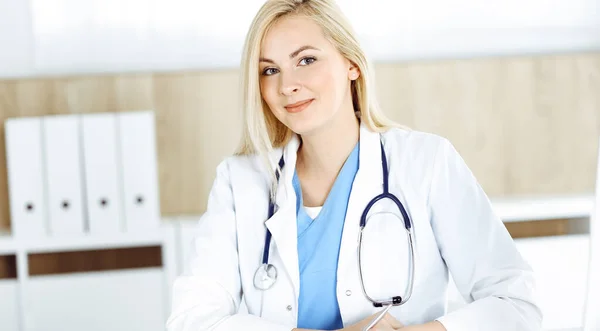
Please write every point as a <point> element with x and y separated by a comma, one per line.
<point>303,48</point>
<point>293,54</point>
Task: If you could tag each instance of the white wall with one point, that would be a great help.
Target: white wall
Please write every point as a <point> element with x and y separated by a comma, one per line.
<point>16,39</point>
<point>40,37</point>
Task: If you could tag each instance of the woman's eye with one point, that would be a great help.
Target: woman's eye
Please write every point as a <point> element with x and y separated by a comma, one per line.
<point>307,60</point>
<point>269,71</point>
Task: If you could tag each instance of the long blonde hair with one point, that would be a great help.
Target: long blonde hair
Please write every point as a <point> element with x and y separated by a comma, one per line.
<point>262,131</point>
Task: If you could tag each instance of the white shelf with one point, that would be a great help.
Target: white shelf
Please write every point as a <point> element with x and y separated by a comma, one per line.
<point>90,242</point>
<point>537,208</point>
<point>10,245</point>
<point>7,244</point>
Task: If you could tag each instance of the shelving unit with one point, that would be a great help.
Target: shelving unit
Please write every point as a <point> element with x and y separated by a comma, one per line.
<point>50,245</point>
<point>114,292</point>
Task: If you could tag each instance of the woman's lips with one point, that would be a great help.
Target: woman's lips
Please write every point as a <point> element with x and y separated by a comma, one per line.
<point>298,106</point>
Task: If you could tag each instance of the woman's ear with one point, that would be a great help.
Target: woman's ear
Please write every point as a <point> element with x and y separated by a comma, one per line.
<point>353,73</point>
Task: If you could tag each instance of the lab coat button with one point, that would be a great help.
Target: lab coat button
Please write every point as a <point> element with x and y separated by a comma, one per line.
<point>348,293</point>
<point>289,308</point>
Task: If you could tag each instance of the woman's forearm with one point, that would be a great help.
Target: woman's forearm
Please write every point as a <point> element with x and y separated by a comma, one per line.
<point>431,326</point>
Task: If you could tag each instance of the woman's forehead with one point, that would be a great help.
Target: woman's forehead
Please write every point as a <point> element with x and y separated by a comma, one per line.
<point>291,33</point>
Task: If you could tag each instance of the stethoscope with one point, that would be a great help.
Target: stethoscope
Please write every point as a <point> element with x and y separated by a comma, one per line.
<point>266,274</point>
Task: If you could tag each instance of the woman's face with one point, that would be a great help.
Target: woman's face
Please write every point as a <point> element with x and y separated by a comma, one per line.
<point>303,78</point>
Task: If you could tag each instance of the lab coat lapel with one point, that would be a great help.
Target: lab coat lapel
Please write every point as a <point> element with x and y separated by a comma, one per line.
<point>367,184</point>
<point>283,222</point>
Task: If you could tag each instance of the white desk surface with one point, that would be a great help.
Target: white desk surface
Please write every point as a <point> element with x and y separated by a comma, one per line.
<point>543,207</point>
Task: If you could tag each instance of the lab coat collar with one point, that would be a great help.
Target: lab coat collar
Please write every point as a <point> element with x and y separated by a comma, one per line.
<point>369,163</point>
<point>370,155</point>
<point>282,224</point>
<point>368,183</point>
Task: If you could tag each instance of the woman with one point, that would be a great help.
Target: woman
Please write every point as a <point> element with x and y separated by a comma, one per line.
<point>317,146</point>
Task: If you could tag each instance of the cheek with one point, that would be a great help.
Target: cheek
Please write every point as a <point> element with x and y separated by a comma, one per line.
<point>329,85</point>
<point>320,82</point>
<point>267,90</point>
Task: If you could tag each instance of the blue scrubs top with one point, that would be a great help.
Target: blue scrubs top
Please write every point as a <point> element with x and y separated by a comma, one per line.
<point>318,251</point>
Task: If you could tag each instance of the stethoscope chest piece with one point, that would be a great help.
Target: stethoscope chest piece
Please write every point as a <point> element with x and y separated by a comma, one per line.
<point>265,276</point>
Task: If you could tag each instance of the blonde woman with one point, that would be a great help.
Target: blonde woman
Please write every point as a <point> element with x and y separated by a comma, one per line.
<point>332,217</point>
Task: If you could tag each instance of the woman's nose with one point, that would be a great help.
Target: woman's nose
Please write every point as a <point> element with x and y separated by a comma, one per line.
<point>289,85</point>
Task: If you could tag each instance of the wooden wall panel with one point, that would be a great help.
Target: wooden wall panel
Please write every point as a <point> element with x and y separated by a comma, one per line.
<point>513,100</point>
<point>552,146</point>
<point>8,267</point>
<point>94,260</point>
<point>134,92</point>
<point>523,124</point>
<point>7,109</point>
<point>200,123</point>
<point>455,99</point>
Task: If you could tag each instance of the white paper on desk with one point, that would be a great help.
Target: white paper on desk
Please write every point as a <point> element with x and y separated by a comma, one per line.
<point>26,187</point>
<point>62,148</point>
<point>102,173</point>
<point>140,175</point>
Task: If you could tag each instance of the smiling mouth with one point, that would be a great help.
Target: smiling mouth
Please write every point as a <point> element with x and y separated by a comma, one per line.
<point>298,106</point>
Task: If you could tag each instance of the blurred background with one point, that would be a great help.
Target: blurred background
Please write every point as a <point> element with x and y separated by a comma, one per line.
<point>116,112</point>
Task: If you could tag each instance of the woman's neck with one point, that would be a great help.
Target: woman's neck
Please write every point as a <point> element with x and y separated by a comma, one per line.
<point>323,153</point>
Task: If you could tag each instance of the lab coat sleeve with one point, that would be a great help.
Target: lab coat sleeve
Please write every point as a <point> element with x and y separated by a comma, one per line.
<point>482,258</point>
<point>208,293</point>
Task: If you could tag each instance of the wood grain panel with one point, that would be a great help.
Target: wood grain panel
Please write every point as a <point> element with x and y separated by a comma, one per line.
<point>90,94</point>
<point>134,92</point>
<point>513,99</point>
<point>395,92</point>
<point>40,97</point>
<point>530,229</point>
<point>8,106</point>
<point>455,99</point>
<point>552,145</point>
<point>524,125</point>
<point>95,260</point>
<point>8,267</point>
<point>200,125</point>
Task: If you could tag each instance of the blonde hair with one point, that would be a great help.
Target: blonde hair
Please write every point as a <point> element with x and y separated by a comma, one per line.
<point>262,131</point>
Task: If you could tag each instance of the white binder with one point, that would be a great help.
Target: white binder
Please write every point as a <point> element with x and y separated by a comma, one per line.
<point>140,175</point>
<point>63,172</point>
<point>102,173</point>
<point>24,162</point>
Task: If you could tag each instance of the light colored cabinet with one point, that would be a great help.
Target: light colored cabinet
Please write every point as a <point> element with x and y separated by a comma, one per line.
<point>9,303</point>
<point>121,300</point>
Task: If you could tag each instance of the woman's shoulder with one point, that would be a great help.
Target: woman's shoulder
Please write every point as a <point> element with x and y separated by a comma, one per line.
<point>427,154</point>
<point>413,143</point>
<point>236,163</point>
<point>244,167</point>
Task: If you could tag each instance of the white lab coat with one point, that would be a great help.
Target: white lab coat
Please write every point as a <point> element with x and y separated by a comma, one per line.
<point>455,230</point>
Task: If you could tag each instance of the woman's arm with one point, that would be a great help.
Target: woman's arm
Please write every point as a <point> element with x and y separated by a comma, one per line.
<point>483,259</point>
<point>431,326</point>
<point>208,294</point>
